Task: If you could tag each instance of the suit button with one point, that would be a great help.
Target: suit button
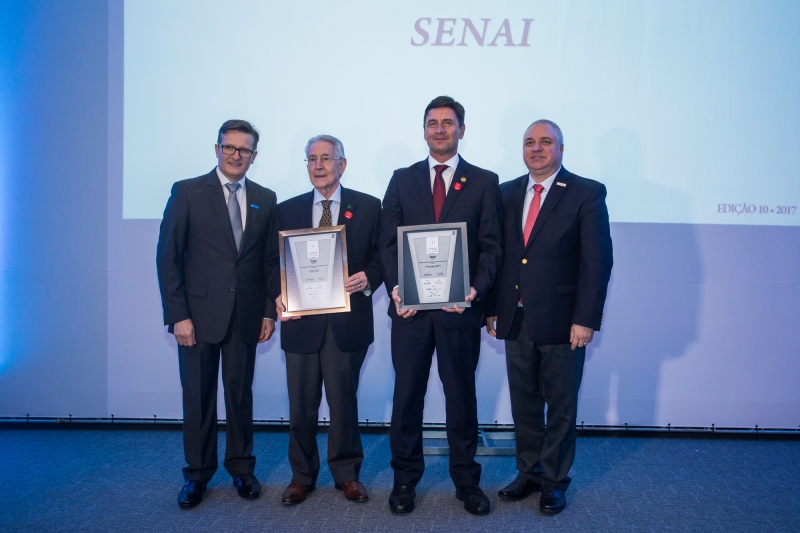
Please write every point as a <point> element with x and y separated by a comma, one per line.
<point>516,286</point>
<point>524,261</point>
<point>233,289</point>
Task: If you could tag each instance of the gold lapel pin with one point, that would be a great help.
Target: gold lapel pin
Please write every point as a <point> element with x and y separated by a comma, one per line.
<point>560,184</point>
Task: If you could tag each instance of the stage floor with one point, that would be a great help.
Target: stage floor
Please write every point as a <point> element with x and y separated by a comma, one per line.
<point>128,480</point>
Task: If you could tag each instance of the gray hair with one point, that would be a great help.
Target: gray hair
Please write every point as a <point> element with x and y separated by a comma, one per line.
<point>337,144</point>
<point>559,135</point>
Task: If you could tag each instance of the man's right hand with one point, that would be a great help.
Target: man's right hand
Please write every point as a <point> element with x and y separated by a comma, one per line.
<point>279,306</point>
<point>184,332</point>
<point>405,313</point>
<point>490,324</point>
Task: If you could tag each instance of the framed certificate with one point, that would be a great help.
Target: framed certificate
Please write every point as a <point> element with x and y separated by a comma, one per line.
<point>313,271</point>
<point>433,266</point>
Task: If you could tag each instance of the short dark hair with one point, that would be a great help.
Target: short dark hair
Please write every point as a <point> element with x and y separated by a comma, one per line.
<point>238,125</point>
<point>445,101</point>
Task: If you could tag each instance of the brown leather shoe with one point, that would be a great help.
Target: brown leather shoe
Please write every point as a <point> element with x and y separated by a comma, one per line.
<point>353,490</point>
<point>296,493</point>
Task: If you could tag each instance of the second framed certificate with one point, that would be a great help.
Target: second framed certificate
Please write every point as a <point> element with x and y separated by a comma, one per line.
<point>433,266</point>
<point>313,271</point>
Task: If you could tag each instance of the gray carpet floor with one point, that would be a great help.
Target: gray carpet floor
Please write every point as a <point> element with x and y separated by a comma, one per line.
<point>128,480</point>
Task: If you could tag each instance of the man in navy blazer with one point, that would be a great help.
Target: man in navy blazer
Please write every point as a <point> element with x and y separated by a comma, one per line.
<point>442,188</point>
<point>217,256</point>
<point>547,303</point>
<point>330,348</point>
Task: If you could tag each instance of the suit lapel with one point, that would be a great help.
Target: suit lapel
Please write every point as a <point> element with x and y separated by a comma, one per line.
<point>453,194</point>
<point>348,204</point>
<point>252,198</point>
<point>423,177</point>
<point>517,204</point>
<point>217,199</point>
<point>305,213</point>
<point>550,201</point>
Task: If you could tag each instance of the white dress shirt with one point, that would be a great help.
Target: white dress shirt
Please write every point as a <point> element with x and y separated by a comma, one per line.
<point>241,194</point>
<point>530,192</point>
<point>336,202</point>
<point>448,173</point>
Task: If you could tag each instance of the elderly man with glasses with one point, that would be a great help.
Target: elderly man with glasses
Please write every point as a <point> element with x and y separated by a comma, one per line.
<point>329,349</point>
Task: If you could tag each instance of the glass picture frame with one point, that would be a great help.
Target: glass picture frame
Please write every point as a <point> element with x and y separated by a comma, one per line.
<point>433,266</point>
<point>313,271</point>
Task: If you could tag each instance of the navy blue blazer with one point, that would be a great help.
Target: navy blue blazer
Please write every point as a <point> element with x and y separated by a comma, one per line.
<point>201,275</point>
<point>409,202</point>
<point>352,331</point>
<point>563,272</point>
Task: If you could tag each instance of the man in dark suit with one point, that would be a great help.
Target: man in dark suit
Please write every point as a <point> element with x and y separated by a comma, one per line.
<point>547,303</point>
<point>442,188</point>
<point>217,256</point>
<point>330,348</point>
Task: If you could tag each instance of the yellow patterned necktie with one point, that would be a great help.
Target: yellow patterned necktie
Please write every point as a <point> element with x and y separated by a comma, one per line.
<point>325,220</point>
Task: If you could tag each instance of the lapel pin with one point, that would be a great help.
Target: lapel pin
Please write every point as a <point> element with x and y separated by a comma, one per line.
<point>457,186</point>
<point>349,206</point>
<point>463,179</point>
<point>561,184</point>
<point>254,206</point>
<point>348,215</point>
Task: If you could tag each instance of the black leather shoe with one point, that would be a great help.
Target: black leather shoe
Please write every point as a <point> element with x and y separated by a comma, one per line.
<point>401,500</point>
<point>191,494</point>
<point>248,486</point>
<point>553,500</point>
<point>475,501</point>
<point>519,489</point>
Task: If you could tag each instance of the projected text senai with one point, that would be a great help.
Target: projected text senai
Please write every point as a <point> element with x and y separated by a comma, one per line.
<point>446,32</point>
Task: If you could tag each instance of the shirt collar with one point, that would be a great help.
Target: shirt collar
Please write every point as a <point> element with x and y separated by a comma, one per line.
<point>546,183</point>
<point>224,179</point>
<point>452,162</point>
<point>335,197</point>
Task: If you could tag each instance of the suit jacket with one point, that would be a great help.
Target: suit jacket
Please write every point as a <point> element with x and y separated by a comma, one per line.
<point>563,272</point>
<point>200,274</point>
<point>409,202</point>
<point>352,331</point>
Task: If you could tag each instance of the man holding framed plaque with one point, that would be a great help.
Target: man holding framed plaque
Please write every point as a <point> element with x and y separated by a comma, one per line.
<point>442,189</point>
<point>324,340</point>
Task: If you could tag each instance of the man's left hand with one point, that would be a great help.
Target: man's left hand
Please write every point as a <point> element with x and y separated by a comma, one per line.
<point>470,297</point>
<point>580,336</point>
<point>267,329</point>
<point>358,282</point>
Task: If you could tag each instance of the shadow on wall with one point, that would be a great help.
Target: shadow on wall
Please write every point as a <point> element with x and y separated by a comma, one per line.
<point>652,306</point>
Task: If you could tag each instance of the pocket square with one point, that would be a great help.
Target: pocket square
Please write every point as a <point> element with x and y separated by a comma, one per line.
<point>254,206</point>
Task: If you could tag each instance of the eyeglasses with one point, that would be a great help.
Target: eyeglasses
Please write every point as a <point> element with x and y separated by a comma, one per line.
<point>229,149</point>
<point>325,159</point>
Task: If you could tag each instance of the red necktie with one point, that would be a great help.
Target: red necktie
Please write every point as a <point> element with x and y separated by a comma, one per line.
<point>533,211</point>
<point>438,191</point>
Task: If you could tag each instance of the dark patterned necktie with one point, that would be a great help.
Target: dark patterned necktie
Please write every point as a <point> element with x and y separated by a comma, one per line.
<point>325,220</point>
<point>439,193</point>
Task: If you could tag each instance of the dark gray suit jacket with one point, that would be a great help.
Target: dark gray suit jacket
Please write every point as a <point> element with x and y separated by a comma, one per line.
<point>200,274</point>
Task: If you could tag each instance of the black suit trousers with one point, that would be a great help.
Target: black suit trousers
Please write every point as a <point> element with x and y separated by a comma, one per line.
<point>199,369</point>
<point>457,351</point>
<point>305,375</point>
<point>540,374</point>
